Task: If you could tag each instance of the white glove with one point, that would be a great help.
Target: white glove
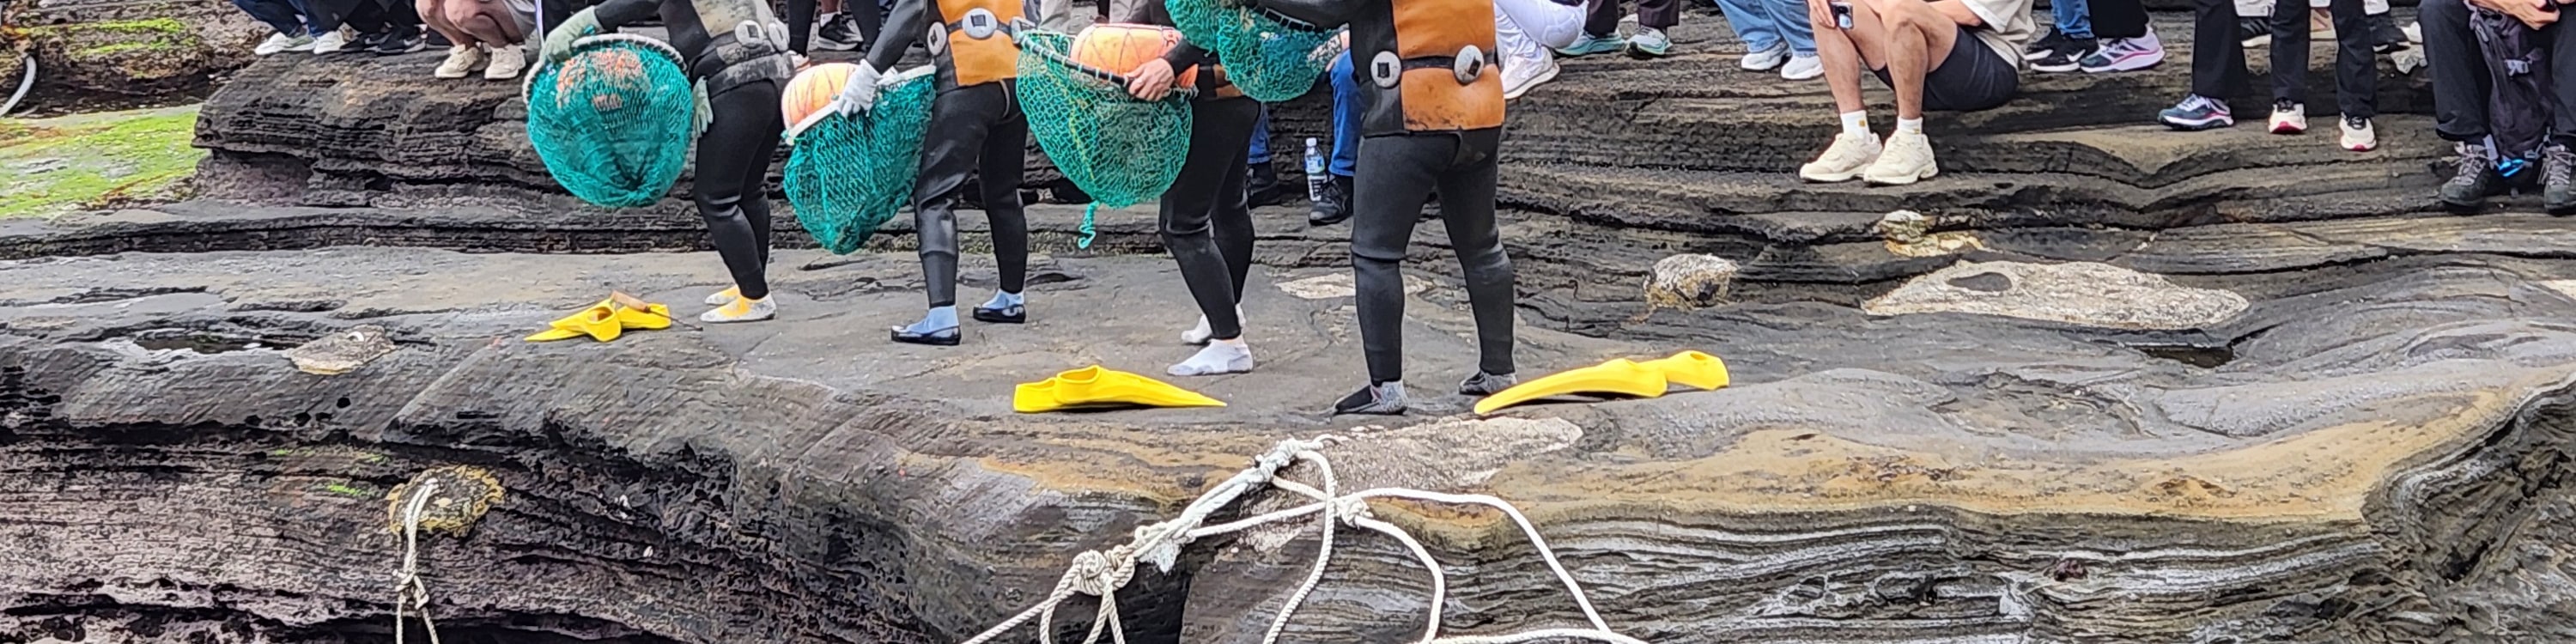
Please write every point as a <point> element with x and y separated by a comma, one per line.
<point>860,91</point>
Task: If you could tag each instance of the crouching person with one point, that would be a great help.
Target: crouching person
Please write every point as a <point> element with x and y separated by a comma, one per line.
<point>1951,55</point>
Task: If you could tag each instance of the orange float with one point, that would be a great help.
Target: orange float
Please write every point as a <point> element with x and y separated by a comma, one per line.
<point>1120,48</point>
<point>813,89</point>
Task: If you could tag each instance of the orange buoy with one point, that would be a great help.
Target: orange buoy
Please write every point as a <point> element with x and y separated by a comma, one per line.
<point>1120,48</point>
<point>813,89</point>
<point>603,73</point>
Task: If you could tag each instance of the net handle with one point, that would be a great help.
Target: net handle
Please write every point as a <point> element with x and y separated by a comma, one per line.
<point>1026,30</point>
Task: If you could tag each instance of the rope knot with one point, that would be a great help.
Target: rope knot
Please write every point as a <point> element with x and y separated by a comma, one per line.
<point>1097,574</point>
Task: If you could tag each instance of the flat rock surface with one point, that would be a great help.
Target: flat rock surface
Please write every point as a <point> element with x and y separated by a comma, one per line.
<point>2320,467</point>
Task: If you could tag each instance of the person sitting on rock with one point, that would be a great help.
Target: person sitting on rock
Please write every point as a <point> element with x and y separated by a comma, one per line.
<point>977,130</point>
<point>483,33</point>
<point>295,32</point>
<point>1957,55</point>
<point>2465,114</point>
<point>737,54</point>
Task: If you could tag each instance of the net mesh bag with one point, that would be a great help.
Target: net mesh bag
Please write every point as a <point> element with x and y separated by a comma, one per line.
<point>847,174</point>
<point>612,122</point>
<point>1270,58</point>
<point>1120,150</point>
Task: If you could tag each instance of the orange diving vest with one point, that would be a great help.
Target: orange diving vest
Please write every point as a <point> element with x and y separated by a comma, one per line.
<point>1444,65</point>
<point>972,38</point>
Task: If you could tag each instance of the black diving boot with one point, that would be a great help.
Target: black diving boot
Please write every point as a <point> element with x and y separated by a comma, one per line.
<point>1381,399</point>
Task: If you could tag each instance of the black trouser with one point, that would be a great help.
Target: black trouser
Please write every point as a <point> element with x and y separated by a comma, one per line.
<point>1206,223</point>
<point>396,17</point>
<point>1396,173</point>
<point>2119,18</point>
<point>2461,83</point>
<point>977,131</point>
<point>800,21</point>
<point>733,163</point>
<point>2218,56</point>
<point>1654,14</point>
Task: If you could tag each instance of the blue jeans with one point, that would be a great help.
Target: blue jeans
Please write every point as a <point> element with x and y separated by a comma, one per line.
<point>1766,24</point>
<point>1346,117</point>
<point>1260,138</point>
<point>2074,17</point>
<point>285,16</point>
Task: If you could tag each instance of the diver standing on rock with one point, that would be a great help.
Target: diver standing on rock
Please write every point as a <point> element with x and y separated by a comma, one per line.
<point>976,128</point>
<point>1433,122</point>
<point>1206,220</point>
<point>737,54</point>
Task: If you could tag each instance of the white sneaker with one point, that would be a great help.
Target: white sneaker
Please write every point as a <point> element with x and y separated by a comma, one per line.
<point>2358,135</point>
<point>282,42</point>
<point>507,63</point>
<point>330,42</point>
<point>1845,159</point>
<point>461,61</point>
<point>1525,73</point>
<point>2289,118</point>
<point>1802,68</point>
<point>1908,159</point>
<point>1763,61</point>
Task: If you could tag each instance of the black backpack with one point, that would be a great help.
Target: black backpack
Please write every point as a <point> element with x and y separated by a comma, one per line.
<point>2519,103</point>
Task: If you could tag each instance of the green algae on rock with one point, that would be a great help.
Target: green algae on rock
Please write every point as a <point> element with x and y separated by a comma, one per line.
<point>96,160</point>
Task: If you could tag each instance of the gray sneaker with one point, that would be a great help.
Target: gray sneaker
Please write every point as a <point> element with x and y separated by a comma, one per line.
<point>1487,384</point>
<point>1382,399</point>
<point>1649,43</point>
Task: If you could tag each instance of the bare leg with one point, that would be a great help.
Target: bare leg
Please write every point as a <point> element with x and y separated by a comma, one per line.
<point>433,14</point>
<point>1847,52</point>
<point>1918,38</point>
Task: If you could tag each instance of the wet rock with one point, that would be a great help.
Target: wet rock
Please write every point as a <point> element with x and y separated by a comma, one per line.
<point>339,353</point>
<point>2075,293</point>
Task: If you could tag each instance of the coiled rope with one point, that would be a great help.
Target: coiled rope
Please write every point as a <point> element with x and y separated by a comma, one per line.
<point>1101,573</point>
<point>409,589</point>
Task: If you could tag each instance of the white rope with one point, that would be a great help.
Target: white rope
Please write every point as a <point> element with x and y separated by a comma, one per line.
<point>410,589</point>
<point>1101,573</point>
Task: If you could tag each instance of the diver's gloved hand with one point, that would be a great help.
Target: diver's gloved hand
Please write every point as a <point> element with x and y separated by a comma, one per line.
<point>704,114</point>
<point>860,91</point>
<point>559,41</point>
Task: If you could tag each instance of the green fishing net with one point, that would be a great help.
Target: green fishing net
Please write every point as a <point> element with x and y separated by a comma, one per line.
<point>612,123</point>
<point>848,174</point>
<point>1120,150</point>
<point>1269,58</point>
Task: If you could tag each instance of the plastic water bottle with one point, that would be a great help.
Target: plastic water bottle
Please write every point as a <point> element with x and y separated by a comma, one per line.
<point>1314,172</point>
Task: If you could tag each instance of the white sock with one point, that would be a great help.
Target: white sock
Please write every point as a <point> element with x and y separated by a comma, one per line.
<point>1218,357</point>
<point>1909,126</point>
<point>1856,122</point>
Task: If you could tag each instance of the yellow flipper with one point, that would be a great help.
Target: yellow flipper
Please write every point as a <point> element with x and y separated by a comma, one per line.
<point>655,317</point>
<point>1095,385</point>
<point>1619,376</point>
<point>1692,369</point>
<point>599,322</point>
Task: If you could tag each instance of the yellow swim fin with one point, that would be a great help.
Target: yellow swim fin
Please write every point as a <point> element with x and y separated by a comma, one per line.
<point>1692,369</point>
<point>1618,376</point>
<point>1095,385</point>
<point>638,315</point>
<point>599,322</point>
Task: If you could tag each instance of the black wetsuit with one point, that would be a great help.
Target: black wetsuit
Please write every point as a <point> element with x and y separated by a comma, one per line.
<point>1445,142</point>
<point>742,77</point>
<point>1206,221</point>
<point>976,128</point>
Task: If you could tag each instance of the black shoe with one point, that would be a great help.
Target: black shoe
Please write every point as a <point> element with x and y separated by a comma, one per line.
<point>1335,207</point>
<point>398,45</point>
<point>1261,186</point>
<point>2473,179</point>
<point>2254,32</point>
<point>1382,399</point>
<point>435,40</point>
<point>1013,314</point>
<point>841,33</point>
<point>941,338</point>
<point>2044,46</point>
<point>2068,57</point>
<point>2384,35</point>
<point>2558,192</point>
<point>1487,384</point>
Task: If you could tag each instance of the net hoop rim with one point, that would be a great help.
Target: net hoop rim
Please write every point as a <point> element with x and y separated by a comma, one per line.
<point>528,84</point>
<point>1020,37</point>
<point>834,107</point>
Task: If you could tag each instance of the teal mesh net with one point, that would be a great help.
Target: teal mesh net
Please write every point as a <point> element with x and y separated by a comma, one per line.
<point>1121,150</point>
<point>848,174</point>
<point>1269,58</point>
<point>612,122</point>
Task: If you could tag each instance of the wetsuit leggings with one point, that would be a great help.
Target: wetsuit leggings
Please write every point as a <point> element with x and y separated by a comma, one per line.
<point>1205,221</point>
<point>733,161</point>
<point>976,130</point>
<point>1396,173</point>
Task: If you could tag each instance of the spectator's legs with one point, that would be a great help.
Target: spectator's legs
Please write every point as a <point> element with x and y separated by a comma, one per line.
<point>1604,19</point>
<point>2289,52</point>
<point>1658,14</point>
<point>484,21</point>
<point>275,13</point>
<point>1915,38</point>
<point>2217,57</point>
<point>1259,151</point>
<point>2562,73</point>
<point>1057,15</point>
<point>1755,23</point>
<point>1790,18</point>
<point>2356,68</point>
<point>304,14</point>
<point>1847,51</point>
<point>800,25</point>
<point>2460,82</point>
<point>2116,19</point>
<point>2072,18</point>
<point>434,14</point>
